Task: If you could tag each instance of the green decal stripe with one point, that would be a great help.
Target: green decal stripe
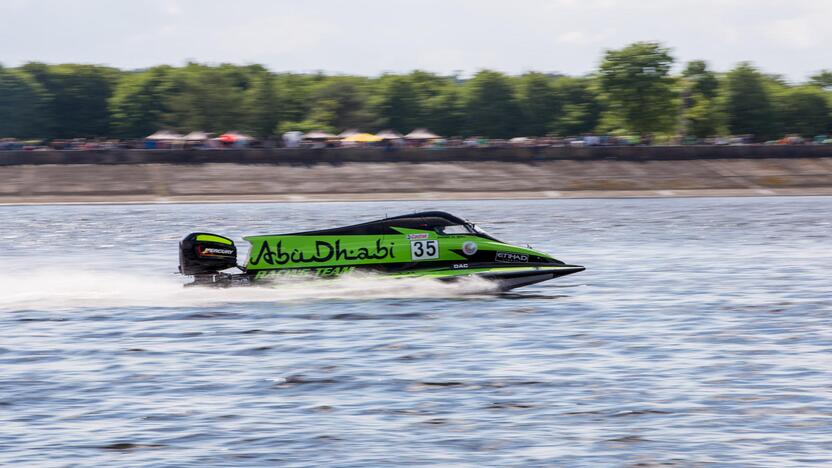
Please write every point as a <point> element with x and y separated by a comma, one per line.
<point>210,238</point>
<point>471,271</point>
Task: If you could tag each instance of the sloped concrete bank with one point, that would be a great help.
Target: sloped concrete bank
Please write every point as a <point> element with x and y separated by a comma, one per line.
<point>385,180</point>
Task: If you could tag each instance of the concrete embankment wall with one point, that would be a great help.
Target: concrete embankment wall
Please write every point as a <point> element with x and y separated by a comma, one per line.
<point>124,176</point>
<point>378,155</point>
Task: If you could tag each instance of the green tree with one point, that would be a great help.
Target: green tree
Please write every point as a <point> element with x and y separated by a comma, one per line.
<point>748,103</point>
<point>578,106</point>
<point>260,105</point>
<point>140,104</point>
<point>78,97</point>
<point>822,79</point>
<point>22,106</point>
<point>700,79</point>
<point>345,99</point>
<point>321,118</point>
<point>207,98</point>
<point>704,117</point>
<point>397,104</point>
<point>700,87</point>
<point>294,93</point>
<point>538,103</point>
<point>440,103</point>
<point>638,89</point>
<point>406,102</point>
<point>633,91</point>
<point>803,110</point>
<point>445,111</point>
<point>490,105</point>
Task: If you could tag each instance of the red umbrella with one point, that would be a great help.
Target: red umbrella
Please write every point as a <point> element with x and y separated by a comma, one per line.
<point>234,137</point>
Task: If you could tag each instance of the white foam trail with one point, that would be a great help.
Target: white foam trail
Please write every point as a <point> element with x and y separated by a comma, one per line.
<point>51,288</point>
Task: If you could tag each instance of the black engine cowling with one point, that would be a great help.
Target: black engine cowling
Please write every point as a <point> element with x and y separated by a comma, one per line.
<point>201,253</point>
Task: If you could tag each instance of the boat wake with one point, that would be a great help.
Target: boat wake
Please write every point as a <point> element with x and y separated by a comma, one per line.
<point>51,288</point>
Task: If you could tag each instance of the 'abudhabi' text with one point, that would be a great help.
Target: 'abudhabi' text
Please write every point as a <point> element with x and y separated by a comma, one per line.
<point>323,252</point>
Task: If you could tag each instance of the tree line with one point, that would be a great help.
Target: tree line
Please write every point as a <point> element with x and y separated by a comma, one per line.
<point>634,91</point>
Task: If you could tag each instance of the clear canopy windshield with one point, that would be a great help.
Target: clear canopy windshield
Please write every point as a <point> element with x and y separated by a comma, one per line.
<point>455,229</point>
<point>465,229</point>
<point>482,232</point>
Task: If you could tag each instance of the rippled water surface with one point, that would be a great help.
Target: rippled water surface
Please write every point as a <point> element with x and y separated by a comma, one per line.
<point>700,334</point>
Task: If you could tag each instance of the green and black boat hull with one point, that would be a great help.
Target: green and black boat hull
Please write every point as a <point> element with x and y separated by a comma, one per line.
<point>429,244</point>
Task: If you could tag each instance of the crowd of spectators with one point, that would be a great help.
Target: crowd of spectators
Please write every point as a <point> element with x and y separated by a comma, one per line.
<point>298,141</point>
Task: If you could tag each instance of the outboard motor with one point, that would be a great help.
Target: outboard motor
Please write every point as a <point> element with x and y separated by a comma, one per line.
<point>206,254</point>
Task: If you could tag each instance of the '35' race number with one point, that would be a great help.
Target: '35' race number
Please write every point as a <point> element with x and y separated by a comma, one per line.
<point>424,250</point>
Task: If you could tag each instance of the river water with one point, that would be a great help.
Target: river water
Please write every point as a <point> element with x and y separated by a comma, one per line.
<point>701,333</point>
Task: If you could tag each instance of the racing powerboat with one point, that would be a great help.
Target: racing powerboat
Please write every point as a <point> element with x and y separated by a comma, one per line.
<point>431,244</point>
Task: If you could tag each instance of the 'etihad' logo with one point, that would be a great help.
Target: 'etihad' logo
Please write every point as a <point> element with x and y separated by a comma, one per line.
<point>507,257</point>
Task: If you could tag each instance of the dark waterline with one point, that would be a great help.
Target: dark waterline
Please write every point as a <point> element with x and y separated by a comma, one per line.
<point>700,333</point>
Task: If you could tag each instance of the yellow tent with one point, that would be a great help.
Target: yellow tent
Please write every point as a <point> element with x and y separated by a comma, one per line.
<point>363,138</point>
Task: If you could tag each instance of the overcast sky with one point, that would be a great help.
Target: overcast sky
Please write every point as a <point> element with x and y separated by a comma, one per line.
<point>791,37</point>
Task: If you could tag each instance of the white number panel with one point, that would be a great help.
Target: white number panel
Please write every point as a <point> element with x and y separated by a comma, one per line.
<point>424,249</point>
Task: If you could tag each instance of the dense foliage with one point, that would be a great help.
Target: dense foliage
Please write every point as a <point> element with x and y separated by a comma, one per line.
<point>634,91</point>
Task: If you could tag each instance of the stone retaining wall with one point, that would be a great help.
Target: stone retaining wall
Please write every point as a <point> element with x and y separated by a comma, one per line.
<point>378,155</point>
<point>386,180</point>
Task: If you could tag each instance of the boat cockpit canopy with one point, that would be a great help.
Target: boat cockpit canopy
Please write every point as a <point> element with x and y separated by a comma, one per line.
<point>439,221</point>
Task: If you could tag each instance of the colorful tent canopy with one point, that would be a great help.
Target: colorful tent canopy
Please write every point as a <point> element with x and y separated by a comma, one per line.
<point>196,136</point>
<point>349,133</point>
<point>318,135</point>
<point>422,134</point>
<point>363,138</point>
<point>164,135</point>
<point>389,135</point>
